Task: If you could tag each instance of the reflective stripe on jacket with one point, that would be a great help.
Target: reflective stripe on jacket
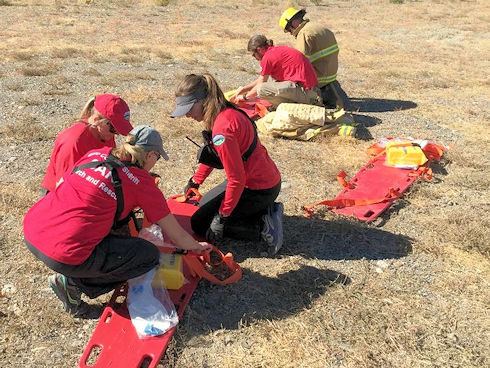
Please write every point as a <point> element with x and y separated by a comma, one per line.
<point>319,45</point>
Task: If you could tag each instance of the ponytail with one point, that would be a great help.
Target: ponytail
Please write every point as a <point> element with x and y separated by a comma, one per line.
<point>88,109</point>
<point>128,149</point>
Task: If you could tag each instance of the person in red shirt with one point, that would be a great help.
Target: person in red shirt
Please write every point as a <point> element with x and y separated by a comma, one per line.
<point>243,205</point>
<point>102,117</point>
<point>69,229</point>
<point>286,75</point>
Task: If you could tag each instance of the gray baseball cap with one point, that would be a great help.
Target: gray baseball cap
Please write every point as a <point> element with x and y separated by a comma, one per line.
<point>185,103</point>
<point>149,139</point>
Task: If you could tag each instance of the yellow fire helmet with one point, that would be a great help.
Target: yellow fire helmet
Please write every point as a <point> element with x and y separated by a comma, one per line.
<point>287,15</point>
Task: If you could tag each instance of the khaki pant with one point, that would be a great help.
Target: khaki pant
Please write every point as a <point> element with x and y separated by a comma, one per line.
<point>279,92</point>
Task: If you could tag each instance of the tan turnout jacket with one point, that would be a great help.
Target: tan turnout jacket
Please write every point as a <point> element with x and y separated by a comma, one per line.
<point>319,45</point>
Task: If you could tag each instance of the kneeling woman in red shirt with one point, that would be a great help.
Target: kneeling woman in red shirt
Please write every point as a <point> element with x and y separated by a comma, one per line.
<point>69,229</point>
<point>102,118</point>
<point>243,205</point>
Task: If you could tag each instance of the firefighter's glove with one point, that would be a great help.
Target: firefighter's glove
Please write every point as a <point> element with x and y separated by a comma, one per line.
<point>190,184</point>
<point>216,229</point>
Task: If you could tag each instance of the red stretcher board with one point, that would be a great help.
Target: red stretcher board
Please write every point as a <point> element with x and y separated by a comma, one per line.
<point>375,180</point>
<point>114,342</point>
<point>372,190</point>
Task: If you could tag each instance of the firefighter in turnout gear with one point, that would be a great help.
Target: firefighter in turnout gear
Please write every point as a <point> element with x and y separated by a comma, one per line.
<point>319,45</point>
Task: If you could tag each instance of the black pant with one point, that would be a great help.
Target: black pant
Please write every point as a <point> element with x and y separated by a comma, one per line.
<point>245,220</point>
<point>113,261</point>
<point>334,96</point>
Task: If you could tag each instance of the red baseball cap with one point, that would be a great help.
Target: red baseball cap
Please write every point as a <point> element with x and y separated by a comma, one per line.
<point>116,110</point>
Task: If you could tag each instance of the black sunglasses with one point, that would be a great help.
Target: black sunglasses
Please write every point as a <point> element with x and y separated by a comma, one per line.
<point>111,128</point>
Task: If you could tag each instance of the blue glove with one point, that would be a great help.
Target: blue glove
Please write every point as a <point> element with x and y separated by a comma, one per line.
<point>216,229</point>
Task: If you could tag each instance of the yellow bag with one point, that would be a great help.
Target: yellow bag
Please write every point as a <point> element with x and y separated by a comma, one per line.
<point>170,272</point>
<point>405,155</point>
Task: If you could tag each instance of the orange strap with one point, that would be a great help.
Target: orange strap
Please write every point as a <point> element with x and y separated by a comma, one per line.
<point>191,193</point>
<point>197,267</point>
<point>341,180</point>
<point>423,173</point>
<point>348,202</point>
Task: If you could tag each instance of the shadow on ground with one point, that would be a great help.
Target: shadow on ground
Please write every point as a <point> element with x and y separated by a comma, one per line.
<point>255,297</point>
<point>258,297</point>
<point>379,105</point>
<point>340,238</point>
<point>366,120</point>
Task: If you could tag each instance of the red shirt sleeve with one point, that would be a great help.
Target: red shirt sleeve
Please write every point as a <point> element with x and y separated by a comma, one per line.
<point>266,65</point>
<point>202,173</point>
<point>152,200</point>
<point>140,190</point>
<point>66,158</point>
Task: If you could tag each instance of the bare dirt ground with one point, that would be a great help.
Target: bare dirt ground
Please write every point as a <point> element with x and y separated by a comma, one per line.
<point>410,290</point>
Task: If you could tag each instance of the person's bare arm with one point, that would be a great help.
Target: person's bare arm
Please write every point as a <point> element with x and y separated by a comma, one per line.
<point>181,238</point>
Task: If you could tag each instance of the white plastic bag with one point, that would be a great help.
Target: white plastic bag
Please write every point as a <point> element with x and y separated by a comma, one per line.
<point>153,234</point>
<point>152,311</point>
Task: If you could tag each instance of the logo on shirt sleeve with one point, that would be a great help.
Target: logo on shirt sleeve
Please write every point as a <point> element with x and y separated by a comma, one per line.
<point>218,139</point>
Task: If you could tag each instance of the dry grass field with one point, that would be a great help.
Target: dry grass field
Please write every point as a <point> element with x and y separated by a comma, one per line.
<point>409,290</point>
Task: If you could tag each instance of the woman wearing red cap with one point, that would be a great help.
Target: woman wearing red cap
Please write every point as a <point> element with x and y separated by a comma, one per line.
<point>70,229</point>
<point>243,205</point>
<point>102,117</point>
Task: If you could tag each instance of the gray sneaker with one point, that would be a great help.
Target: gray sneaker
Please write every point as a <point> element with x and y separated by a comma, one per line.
<point>70,295</point>
<point>272,232</point>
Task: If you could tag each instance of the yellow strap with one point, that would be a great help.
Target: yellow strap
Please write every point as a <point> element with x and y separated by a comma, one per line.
<point>323,53</point>
<point>327,79</point>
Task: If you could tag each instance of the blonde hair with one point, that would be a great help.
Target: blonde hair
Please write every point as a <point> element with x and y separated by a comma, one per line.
<point>215,100</point>
<point>258,41</point>
<point>89,110</point>
<point>129,149</point>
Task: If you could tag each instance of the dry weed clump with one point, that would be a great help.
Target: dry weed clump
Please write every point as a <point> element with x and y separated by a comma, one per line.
<point>22,55</point>
<point>25,129</point>
<point>66,52</point>
<point>14,86</point>
<point>39,70</point>
<point>92,72</point>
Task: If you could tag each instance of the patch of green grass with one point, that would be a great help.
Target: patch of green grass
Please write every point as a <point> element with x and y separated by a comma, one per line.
<point>5,3</point>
